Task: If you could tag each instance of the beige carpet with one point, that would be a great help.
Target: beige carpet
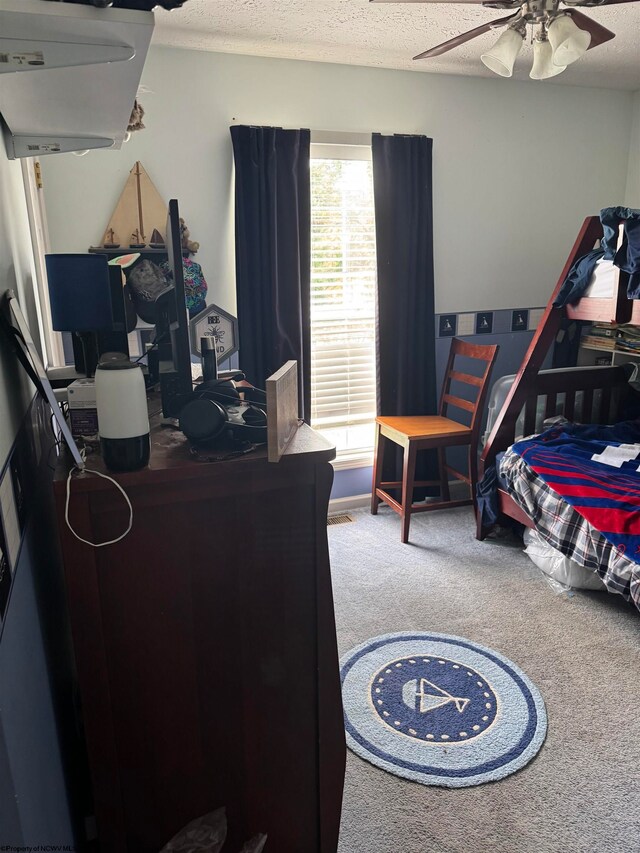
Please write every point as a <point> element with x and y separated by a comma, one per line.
<point>581,794</point>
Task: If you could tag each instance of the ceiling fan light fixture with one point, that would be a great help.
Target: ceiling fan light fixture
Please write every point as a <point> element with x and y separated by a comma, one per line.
<point>502,56</point>
<point>543,66</point>
<point>567,40</point>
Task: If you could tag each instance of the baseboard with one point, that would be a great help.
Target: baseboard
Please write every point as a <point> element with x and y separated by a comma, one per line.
<point>351,502</point>
<point>358,501</point>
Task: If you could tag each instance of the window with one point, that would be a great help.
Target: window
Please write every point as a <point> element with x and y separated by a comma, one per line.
<point>48,342</point>
<point>343,278</point>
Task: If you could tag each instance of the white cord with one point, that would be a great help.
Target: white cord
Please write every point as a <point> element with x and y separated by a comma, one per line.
<point>117,485</point>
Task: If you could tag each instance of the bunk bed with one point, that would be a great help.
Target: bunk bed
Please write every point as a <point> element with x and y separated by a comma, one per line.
<point>586,395</point>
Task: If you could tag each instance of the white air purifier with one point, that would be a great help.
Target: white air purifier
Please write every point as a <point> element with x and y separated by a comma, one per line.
<point>123,418</point>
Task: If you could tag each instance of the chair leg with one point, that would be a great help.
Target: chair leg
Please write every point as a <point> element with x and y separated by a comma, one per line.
<point>444,482</point>
<point>473,472</point>
<point>408,476</point>
<point>378,459</point>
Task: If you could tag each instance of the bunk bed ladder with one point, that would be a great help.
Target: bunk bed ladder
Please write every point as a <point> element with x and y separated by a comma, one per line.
<point>503,430</point>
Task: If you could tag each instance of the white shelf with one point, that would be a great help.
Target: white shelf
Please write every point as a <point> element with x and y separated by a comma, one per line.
<point>587,354</point>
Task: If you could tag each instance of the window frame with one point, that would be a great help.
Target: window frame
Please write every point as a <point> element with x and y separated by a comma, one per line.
<point>51,345</point>
<point>335,145</point>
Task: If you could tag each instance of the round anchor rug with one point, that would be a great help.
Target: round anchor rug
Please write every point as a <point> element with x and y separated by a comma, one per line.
<point>440,710</point>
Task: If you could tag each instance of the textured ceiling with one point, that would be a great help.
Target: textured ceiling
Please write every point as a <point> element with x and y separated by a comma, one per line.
<point>383,35</point>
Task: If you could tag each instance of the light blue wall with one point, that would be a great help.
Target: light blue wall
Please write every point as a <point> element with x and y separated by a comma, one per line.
<point>517,165</point>
<point>632,198</point>
<point>351,481</point>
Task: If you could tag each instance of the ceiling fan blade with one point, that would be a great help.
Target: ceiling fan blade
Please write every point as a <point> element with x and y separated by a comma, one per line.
<point>587,2</point>
<point>463,37</point>
<point>478,2</point>
<point>599,34</point>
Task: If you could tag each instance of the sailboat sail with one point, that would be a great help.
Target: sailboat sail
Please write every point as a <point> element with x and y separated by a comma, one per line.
<point>140,209</point>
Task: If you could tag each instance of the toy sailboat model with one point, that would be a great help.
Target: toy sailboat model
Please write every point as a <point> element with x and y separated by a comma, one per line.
<point>157,240</point>
<point>137,240</point>
<point>111,240</point>
<point>140,211</point>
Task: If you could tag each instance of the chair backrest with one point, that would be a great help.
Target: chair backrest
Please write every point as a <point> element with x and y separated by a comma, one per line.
<point>479,383</point>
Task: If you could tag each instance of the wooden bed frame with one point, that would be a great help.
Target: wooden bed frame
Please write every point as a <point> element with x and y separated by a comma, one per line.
<point>603,388</point>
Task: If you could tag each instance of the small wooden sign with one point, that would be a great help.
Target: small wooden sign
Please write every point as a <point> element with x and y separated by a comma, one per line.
<point>282,409</point>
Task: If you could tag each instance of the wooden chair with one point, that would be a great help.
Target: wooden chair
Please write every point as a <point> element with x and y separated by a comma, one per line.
<point>427,432</point>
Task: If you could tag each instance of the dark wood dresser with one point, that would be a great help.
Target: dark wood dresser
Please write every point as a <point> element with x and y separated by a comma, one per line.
<point>205,646</point>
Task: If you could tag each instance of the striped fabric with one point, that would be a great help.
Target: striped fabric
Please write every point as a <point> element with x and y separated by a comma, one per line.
<point>595,469</point>
<point>559,524</point>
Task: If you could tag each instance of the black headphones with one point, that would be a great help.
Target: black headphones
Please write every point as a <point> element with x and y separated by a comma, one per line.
<point>215,414</point>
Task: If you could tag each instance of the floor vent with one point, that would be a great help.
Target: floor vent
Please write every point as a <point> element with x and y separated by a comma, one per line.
<point>343,518</point>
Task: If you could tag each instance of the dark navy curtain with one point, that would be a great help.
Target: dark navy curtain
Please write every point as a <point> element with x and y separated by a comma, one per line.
<point>273,232</point>
<point>405,333</point>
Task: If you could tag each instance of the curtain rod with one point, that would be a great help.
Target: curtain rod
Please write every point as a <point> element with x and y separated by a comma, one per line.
<point>339,137</point>
<point>327,137</point>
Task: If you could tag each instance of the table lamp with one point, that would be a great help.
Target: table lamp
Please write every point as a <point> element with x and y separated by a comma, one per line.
<point>80,298</point>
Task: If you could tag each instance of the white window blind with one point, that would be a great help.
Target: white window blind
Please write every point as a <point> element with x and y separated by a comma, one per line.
<point>343,278</point>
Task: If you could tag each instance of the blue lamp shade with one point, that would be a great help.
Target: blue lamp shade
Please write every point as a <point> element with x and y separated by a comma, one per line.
<point>79,292</point>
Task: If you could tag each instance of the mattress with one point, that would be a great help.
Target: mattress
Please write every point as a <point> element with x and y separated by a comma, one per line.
<point>602,282</point>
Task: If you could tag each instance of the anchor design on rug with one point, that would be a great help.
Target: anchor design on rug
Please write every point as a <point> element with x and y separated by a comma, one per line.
<point>430,695</point>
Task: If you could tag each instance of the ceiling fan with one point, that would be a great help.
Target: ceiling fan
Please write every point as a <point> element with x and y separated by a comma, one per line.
<point>560,35</point>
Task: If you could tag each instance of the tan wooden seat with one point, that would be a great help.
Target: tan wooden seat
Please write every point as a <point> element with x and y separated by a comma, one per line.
<point>428,432</point>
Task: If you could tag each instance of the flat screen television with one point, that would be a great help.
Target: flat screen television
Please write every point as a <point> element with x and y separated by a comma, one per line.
<point>172,326</point>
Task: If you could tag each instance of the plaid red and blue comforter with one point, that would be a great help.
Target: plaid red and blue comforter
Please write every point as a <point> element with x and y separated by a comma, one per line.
<point>581,487</point>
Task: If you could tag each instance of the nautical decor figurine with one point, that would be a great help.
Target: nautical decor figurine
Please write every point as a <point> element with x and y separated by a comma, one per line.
<point>111,240</point>
<point>137,240</point>
<point>157,240</point>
